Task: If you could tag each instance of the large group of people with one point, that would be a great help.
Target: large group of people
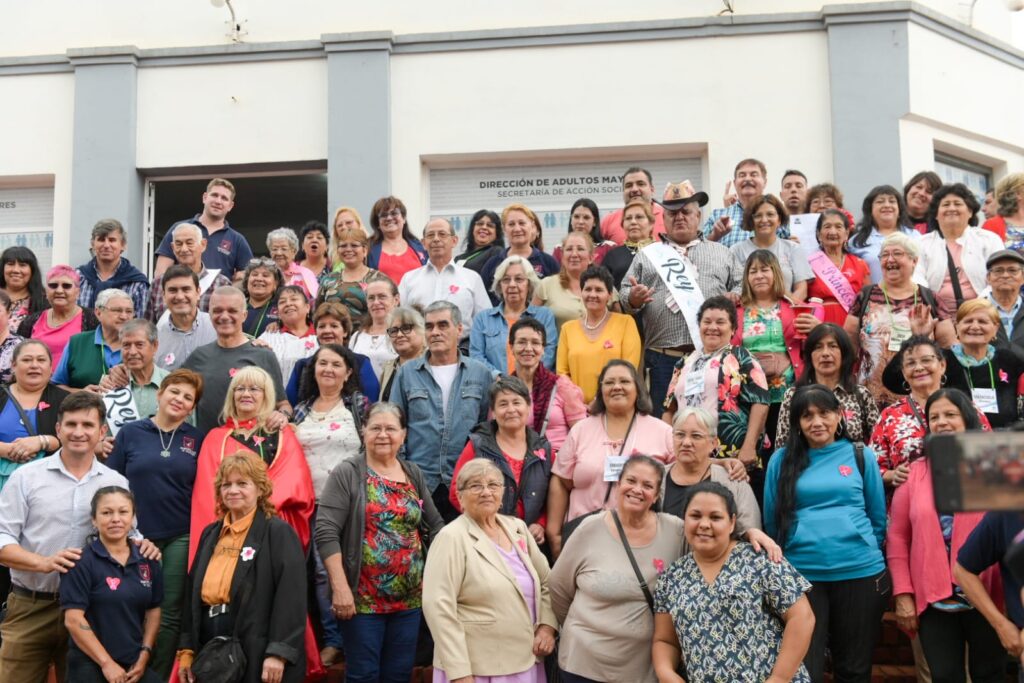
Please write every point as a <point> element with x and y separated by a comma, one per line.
<point>681,447</point>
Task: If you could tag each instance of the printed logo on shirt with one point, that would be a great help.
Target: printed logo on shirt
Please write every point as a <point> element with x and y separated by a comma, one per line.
<point>225,247</point>
<point>188,445</point>
<point>113,582</point>
<point>145,577</point>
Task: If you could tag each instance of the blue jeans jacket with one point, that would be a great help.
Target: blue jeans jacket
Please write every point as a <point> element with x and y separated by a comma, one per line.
<point>436,438</point>
<point>489,336</point>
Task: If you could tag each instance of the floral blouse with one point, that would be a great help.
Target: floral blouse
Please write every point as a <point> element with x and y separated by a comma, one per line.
<point>391,577</point>
<point>733,383</point>
<point>17,312</point>
<point>899,435</point>
<point>732,629</point>
<point>351,294</point>
<point>859,410</point>
<point>762,333</point>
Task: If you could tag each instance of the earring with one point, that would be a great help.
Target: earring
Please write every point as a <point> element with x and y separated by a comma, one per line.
<point>906,386</point>
<point>942,382</point>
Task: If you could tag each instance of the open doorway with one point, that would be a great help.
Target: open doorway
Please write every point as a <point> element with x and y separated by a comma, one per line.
<point>262,203</point>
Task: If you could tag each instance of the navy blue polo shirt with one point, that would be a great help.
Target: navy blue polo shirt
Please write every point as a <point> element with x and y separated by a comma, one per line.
<point>986,546</point>
<point>114,597</point>
<point>227,250</point>
<point>162,485</point>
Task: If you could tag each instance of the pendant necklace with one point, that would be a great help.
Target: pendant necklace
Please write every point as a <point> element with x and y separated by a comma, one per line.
<point>165,451</point>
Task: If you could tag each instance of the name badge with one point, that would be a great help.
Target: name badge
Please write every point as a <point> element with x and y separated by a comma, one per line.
<point>899,334</point>
<point>986,400</point>
<point>613,465</point>
<point>694,383</point>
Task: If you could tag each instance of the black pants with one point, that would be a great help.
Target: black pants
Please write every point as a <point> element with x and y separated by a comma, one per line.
<point>847,621</point>
<point>443,504</point>
<point>81,669</point>
<point>573,678</point>
<point>943,636</point>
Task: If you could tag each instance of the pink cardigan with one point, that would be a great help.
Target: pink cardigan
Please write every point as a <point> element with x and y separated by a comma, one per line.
<point>915,548</point>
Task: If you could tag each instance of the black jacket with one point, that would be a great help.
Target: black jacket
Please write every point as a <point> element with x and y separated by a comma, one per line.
<point>46,420</point>
<point>1018,332</point>
<point>271,619</point>
<point>89,322</point>
<point>533,482</point>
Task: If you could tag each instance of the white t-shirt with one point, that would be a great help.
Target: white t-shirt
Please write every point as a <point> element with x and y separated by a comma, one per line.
<point>444,375</point>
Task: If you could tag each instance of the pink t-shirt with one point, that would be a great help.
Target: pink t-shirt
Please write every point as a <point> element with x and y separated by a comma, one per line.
<point>568,406</point>
<point>946,297</point>
<point>611,224</point>
<point>56,339</point>
<point>582,457</point>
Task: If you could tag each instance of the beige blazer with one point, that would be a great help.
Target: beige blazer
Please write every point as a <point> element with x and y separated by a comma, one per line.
<point>474,606</point>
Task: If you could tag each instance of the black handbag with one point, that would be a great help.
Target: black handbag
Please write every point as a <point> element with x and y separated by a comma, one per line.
<point>220,661</point>
<point>574,523</point>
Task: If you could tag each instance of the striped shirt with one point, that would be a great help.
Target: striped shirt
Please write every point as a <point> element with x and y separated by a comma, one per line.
<point>737,234</point>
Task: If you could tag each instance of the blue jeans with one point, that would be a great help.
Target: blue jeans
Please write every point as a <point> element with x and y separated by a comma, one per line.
<point>380,647</point>
<point>660,368</point>
<point>332,634</point>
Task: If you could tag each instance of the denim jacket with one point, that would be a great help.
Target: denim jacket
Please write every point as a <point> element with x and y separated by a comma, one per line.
<point>489,336</point>
<point>436,438</point>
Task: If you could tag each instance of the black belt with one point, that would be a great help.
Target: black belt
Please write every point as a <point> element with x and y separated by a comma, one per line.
<point>34,595</point>
<point>216,610</point>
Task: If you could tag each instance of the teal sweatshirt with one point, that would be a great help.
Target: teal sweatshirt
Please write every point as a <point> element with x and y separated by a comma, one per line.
<point>839,524</point>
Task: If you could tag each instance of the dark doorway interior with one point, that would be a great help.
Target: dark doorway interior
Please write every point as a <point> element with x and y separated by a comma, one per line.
<point>261,204</point>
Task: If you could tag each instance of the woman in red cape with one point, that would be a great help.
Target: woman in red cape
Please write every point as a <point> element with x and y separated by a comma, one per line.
<point>248,405</point>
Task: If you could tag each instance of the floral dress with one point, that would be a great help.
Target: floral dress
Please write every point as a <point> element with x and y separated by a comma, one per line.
<point>391,577</point>
<point>731,630</point>
<point>762,333</point>
<point>733,383</point>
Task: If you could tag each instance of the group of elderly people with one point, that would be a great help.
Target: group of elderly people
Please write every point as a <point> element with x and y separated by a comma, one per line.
<point>697,454</point>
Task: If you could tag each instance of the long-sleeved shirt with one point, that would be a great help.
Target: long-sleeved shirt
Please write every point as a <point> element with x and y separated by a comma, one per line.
<point>453,283</point>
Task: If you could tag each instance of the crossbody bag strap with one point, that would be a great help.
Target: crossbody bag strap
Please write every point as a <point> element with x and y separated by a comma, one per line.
<point>954,277</point>
<point>21,411</point>
<point>547,413</point>
<point>632,561</point>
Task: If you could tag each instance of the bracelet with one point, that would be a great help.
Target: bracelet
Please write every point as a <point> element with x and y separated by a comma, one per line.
<point>147,649</point>
<point>42,442</point>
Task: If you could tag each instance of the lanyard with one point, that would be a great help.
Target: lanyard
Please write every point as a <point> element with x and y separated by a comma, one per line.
<point>266,307</point>
<point>991,377</point>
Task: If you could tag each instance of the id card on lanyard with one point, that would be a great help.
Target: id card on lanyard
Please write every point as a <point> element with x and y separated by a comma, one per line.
<point>899,323</point>
<point>613,464</point>
<point>985,399</point>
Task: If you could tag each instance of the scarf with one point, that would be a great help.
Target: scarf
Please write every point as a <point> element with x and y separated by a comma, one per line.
<point>126,274</point>
<point>543,384</point>
<point>636,246</point>
<point>971,361</point>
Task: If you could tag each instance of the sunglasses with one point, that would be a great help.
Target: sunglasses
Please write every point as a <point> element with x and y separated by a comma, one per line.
<point>60,285</point>
<point>400,329</point>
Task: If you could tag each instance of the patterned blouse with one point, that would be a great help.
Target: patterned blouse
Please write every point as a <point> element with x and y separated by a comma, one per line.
<point>762,333</point>
<point>391,577</point>
<point>859,409</point>
<point>351,294</point>
<point>733,382</point>
<point>732,629</point>
<point>899,435</point>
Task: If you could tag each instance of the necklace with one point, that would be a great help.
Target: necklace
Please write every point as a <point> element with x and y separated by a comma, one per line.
<point>165,448</point>
<point>598,324</point>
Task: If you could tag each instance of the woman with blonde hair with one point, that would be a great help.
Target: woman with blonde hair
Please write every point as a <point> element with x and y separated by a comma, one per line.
<point>345,218</point>
<point>524,234</point>
<point>563,293</point>
<point>347,283</point>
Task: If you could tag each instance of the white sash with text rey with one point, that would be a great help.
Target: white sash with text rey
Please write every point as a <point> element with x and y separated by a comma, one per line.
<point>680,276</point>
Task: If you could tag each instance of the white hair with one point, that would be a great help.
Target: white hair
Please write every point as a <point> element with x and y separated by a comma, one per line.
<point>104,297</point>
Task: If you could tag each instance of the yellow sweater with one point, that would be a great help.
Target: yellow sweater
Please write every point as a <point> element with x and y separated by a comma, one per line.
<point>582,360</point>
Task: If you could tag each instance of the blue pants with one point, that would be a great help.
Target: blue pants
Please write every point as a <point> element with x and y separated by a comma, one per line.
<point>380,647</point>
<point>660,368</point>
<point>332,634</point>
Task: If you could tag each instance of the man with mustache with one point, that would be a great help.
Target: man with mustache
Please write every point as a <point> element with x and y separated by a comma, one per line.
<point>636,184</point>
<point>189,245</point>
<point>138,369</point>
<point>725,226</point>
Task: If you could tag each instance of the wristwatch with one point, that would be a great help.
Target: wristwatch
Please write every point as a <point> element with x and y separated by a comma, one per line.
<point>147,649</point>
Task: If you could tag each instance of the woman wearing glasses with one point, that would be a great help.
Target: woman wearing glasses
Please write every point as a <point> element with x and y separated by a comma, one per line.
<point>408,339</point>
<point>347,284</point>
<point>394,250</point>
<point>64,319</point>
<point>372,338</point>
<point>515,281</point>
<point>283,245</point>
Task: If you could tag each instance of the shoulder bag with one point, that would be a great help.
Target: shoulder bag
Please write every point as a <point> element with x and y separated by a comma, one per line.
<point>632,560</point>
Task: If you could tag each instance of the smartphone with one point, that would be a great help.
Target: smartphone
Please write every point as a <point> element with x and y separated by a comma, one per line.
<point>977,471</point>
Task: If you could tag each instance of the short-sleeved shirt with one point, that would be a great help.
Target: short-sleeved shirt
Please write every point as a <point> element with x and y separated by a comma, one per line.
<point>792,261</point>
<point>218,365</point>
<point>115,598</point>
<point>732,629</point>
<point>986,546</point>
<point>226,249</point>
<point>162,484</point>
<point>145,394</point>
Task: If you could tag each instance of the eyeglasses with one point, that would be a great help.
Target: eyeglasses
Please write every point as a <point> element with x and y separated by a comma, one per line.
<point>694,436</point>
<point>400,329</point>
<point>248,390</point>
<point>261,261</point>
<point>891,254</point>
<point>520,280</point>
<point>119,311</point>
<point>393,213</point>
<point>925,362</point>
<point>478,488</point>
<point>527,343</point>
<point>1006,270</point>
<point>60,285</point>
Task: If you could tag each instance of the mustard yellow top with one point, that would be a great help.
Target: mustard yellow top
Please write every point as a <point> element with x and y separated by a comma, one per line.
<point>582,359</point>
<point>217,582</point>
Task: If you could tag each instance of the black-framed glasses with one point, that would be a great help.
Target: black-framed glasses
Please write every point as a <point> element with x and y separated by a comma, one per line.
<point>66,286</point>
<point>400,329</point>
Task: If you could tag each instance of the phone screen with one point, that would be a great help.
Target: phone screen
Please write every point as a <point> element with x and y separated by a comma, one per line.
<point>977,471</point>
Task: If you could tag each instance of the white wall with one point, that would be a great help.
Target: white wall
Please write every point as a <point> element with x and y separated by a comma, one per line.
<point>232,113</point>
<point>509,102</point>
<point>154,23</point>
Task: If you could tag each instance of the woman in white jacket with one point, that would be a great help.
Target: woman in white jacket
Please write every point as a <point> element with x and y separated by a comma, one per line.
<point>954,244</point>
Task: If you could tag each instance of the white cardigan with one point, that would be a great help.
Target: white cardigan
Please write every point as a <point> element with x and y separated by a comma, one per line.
<point>932,264</point>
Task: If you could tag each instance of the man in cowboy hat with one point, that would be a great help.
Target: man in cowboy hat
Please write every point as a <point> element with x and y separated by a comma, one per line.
<point>667,314</point>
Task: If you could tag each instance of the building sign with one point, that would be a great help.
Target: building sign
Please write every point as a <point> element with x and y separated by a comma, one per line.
<point>548,189</point>
<point>26,220</point>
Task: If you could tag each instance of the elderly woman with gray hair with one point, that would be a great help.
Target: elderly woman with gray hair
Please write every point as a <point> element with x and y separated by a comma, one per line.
<point>515,282</point>
<point>283,245</point>
<point>407,334</point>
<point>485,589</point>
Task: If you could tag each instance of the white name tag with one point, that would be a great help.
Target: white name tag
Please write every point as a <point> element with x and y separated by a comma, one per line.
<point>899,334</point>
<point>986,400</point>
<point>694,383</point>
<point>613,466</point>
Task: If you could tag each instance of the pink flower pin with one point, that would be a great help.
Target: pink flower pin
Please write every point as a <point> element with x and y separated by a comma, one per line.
<point>452,289</point>
<point>659,565</point>
<point>42,405</point>
<point>608,344</point>
<point>845,470</point>
<point>1003,377</point>
<point>362,286</point>
<point>334,426</point>
<point>168,359</point>
<point>849,415</point>
<point>258,439</point>
<point>247,553</point>
<point>309,344</point>
<point>522,544</point>
<point>232,372</point>
<point>540,454</point>
<point>113,582</point>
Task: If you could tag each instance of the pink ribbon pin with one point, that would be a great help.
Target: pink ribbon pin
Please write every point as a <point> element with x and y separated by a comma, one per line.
<point>452,289</point>
<point>608,344</point>
<point>42,405</point>
<point>168,359</point>
<point>522,544</point>
<point>334,426</point>
<point>309,344</point>
<point>659,565</point>
<point>258,439</point>
<point>1003,377</point>
<point>113,582</point>
<point>845,470</point>
<point>232,372</point>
